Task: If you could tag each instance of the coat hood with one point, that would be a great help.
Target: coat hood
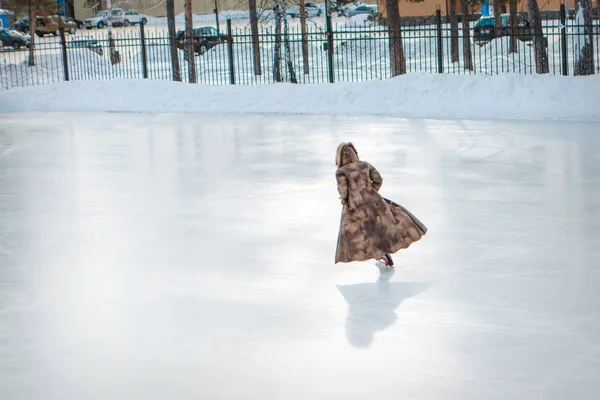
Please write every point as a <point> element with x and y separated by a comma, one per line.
<point>346,153</point>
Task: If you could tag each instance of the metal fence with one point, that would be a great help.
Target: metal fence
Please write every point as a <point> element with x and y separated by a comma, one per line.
<point>358,53</point>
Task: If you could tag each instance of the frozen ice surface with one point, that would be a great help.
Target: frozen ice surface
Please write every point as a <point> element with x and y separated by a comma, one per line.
<point>191,257</point>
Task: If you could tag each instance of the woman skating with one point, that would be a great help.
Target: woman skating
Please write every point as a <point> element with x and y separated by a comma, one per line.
<point>372,227</point>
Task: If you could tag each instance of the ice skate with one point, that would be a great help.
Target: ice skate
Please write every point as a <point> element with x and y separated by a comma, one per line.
<point>385,264</point>
<point>383,267</point>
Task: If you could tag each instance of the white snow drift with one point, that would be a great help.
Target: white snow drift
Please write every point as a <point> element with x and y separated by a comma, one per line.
<point>414,95</point>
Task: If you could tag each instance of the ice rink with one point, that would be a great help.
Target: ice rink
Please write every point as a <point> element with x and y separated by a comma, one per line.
<point>189,257</point>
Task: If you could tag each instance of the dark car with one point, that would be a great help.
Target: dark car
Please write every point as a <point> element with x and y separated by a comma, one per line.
<point>78,22</point>
<point>12,39</point>
<point>90,44</point>
<point>205,38</point>
<point>484,32</point>
<point>22,25</point>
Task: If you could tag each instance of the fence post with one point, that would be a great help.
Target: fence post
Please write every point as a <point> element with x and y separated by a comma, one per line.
<point>438,17</point>
<point>230,52</point>
<point>144,54</point>
<point>65,58</point>
<point>563,39</point>
<point>329,35</point>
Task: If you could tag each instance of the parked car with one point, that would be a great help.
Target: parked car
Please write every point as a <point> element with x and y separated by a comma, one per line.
<point>100,20</point>
<point>116,17</point>
<point>133,17</point>
<point>78,22</point>
<point>91,44</point>
<point>22,25</point>
<point>14,39</point>
<point>370,10</point>
<point>205,38</point>
<point>311,11</point>
<point>50,25</point>
<point>484,31</point>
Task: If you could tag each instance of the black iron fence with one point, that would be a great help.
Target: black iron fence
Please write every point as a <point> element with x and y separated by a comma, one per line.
<point>352,54</point>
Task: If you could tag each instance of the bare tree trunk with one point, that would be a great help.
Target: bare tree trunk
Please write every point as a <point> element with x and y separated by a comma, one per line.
<point>189,41</point>
<point>395,38</point>
<point>467,56</point>
<point>114,57</point>
<point>288,49</point>
<point>255,39</point>
<point>514,23</point>
<point>31,61</point>
<point>304,37</point>
<point>539,44</point>
<point>584,53</point>
<point>277,50</point>
<point>173,40</point>
<point>497,18</point>
<point>454,32</point>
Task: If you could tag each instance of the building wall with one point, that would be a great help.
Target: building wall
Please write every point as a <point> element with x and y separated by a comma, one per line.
<point>428,7</point>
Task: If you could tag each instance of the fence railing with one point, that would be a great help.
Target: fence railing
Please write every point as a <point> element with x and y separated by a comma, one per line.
<point>359,53</point>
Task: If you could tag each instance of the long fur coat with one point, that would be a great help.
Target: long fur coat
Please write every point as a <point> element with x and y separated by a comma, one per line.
<point>371,225</point>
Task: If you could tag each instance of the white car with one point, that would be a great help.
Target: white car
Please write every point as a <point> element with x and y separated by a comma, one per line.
<point>311,11</point>
<point>133,17</point>
<point>363,9</point>
<point>99,21</point>
<point>116,17</point>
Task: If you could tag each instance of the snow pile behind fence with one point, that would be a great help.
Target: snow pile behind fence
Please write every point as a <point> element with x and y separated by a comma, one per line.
<point>508,96</point>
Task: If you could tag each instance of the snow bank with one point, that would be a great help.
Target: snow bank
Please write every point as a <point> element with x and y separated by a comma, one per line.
<point>413,95</point>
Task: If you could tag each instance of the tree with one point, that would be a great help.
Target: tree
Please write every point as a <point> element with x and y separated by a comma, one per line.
<point>584,54</point>
<point>304,37</point>
<point>280,11</point>
<point>114,57</point>
<point>277,50</point>
<point>468,59</point>
<point>514,23</point>
<point>255,40</point>
<point>173,40</point>
<point>29,7</point>
<point>21,8</point>
<point>288,49</point>
<point>453,32</point>
<point>497,18</point>
<point>539,43</point>
<point>31,16</point>
<point>395,37</point>
<point>189,41</point>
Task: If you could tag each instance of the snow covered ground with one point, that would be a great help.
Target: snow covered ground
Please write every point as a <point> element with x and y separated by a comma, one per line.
<point>412,95</point>
<point>191,257</point>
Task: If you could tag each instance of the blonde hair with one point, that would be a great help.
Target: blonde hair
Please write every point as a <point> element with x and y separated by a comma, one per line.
<point>340,150</point>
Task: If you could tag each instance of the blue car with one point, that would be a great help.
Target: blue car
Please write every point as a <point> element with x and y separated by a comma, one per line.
<point>13,39</point>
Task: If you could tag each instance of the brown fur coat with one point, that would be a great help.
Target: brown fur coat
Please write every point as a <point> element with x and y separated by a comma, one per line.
<point>371,226</point>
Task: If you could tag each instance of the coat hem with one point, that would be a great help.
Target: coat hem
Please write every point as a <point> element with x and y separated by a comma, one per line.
<point>383,252</point>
